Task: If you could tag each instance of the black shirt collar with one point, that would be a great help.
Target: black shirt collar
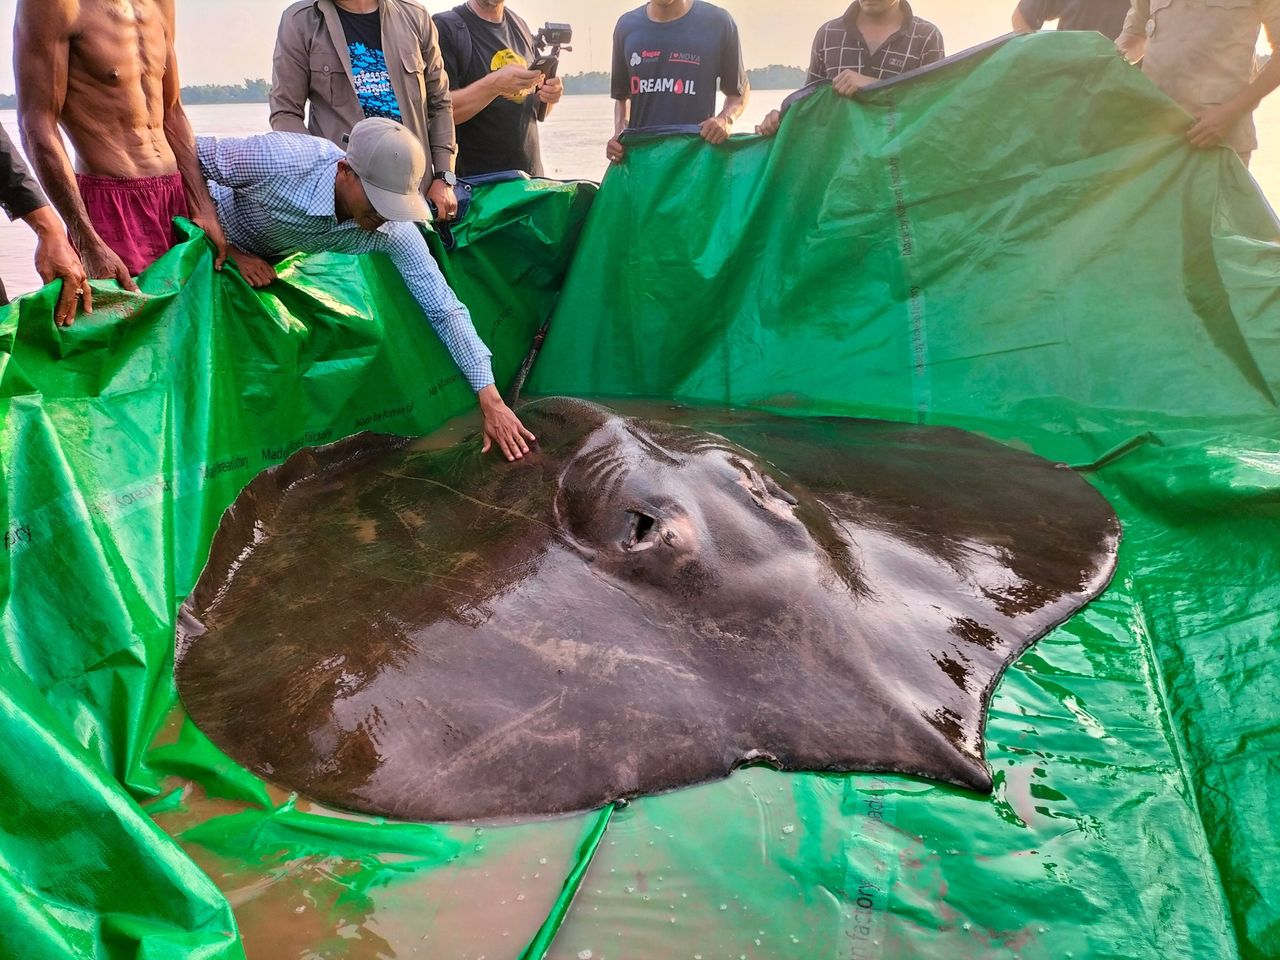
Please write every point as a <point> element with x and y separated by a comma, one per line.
<point>850,20</point>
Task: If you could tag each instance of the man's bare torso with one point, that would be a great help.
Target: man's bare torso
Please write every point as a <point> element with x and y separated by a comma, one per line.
<point>114,109</point>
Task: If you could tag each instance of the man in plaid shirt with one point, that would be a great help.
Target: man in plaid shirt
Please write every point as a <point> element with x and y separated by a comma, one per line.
<point>875,39</point>
<point>283,193</point>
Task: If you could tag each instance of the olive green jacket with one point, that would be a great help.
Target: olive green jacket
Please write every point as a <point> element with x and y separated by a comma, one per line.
<point>312,65</point>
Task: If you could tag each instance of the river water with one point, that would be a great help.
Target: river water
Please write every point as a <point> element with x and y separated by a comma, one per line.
<point>573,141</point>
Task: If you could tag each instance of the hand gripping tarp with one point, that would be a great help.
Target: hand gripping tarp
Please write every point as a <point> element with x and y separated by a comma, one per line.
<point>1018,242</point>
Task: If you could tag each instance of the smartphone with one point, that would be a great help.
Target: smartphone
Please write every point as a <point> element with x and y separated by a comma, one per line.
<point>547,66</point>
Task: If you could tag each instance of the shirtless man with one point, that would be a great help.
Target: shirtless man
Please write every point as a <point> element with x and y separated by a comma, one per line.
<point>105,70</point>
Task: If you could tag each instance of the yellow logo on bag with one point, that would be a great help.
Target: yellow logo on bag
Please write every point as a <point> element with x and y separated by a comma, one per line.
<point>504,58</point>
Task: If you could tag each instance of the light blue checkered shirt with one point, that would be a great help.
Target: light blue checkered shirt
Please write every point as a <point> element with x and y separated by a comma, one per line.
<point>274,194</point>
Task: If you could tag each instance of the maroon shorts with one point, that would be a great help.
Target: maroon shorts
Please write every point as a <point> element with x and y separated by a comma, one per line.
<point>135,217</point>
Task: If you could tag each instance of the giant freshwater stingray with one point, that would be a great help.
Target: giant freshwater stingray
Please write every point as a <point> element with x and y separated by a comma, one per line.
<point>635,607</point>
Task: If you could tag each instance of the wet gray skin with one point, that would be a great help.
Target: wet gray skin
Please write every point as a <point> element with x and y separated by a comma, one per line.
<point>638,606</point>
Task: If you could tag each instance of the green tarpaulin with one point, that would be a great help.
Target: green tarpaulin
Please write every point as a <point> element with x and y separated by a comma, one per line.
<point>1018,242</point>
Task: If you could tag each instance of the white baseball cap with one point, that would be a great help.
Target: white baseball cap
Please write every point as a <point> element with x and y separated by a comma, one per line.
<point>390,163</point>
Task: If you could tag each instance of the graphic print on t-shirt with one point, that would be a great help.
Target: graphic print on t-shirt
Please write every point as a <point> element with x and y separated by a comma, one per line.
<point>664,82</point>
<point>506,57</point>
<point>373,82</point>
<point>668,70</point>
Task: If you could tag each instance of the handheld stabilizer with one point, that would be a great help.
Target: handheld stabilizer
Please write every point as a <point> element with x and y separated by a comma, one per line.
<point>554,37</point>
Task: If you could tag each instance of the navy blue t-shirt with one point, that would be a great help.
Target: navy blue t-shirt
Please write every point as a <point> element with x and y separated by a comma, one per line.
<point>1104,16</point>
<point>369,64</point>
<point>669,70</point>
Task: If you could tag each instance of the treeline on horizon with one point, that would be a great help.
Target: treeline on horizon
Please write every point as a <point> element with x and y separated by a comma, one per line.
<point>773,77</point>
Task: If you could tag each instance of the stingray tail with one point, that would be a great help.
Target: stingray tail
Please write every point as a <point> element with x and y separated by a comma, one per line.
<point>513,395</point>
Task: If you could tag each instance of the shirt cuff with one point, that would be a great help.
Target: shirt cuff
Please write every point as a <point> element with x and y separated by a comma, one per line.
<point>480,377</point>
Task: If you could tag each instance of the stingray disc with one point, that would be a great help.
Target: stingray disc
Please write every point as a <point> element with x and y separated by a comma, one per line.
<point>637,606</point>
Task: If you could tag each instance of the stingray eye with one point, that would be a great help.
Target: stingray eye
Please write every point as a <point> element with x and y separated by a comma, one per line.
<point>775,491</point>
<point>763,488</point>
<point>644,531</point>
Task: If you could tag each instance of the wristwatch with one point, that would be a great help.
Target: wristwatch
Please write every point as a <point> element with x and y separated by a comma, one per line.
<point>448,176</point>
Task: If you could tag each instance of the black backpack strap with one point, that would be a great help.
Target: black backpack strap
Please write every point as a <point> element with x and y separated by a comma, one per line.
<point>451,22</point>
<point>523,28</point>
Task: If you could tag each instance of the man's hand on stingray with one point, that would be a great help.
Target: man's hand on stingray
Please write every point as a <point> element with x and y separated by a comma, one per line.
<point>502,426</point>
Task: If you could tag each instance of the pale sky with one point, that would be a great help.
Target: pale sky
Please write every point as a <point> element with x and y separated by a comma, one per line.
<point>227,41</point>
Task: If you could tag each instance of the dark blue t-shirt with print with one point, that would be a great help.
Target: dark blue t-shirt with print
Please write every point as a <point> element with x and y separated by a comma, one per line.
<point>369,64</point>
<point>669,70</point>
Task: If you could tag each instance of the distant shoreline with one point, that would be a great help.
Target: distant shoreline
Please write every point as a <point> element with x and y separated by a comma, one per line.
<point>773,77</point>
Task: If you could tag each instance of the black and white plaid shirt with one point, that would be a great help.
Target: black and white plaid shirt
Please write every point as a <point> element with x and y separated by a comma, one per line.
<point>840,46</point>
